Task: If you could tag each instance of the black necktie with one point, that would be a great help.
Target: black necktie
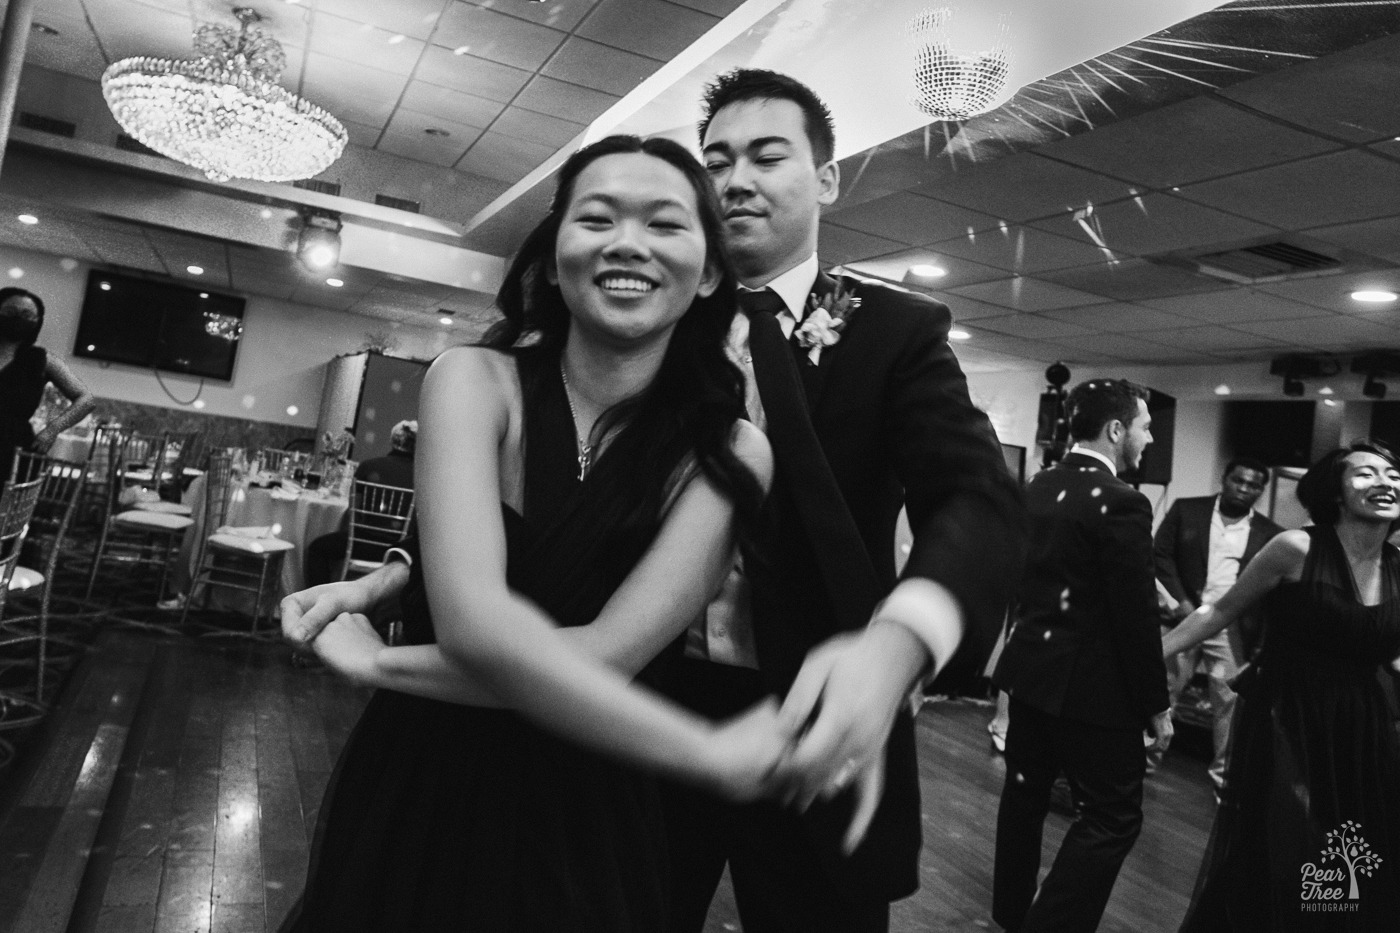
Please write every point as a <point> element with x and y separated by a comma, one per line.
<point>841,556</point>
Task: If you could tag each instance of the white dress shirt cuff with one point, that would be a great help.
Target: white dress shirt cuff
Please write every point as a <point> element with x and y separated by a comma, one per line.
<point>931,613</point>
<point>398,554</point>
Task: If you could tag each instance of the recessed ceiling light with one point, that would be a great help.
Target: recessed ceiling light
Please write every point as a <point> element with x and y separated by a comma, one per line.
<point>959,335</point>
<point>204,294</point>
<point>1222,389</point>
<point>1375,296</point>
<point>444,320</point>
<point>927,270</point>
<point>334,283</point>
<point>1325,390</point>
<point>292,410</point>
<point>105,286</point>
<point>16,273</point>
<point>461,50</point>
<point>195,270</point>
<point>396,38</point>
<point>28,219</point>
<point>1329,402</point>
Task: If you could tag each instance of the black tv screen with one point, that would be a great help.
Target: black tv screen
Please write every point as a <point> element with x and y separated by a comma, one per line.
<point>159,325</point>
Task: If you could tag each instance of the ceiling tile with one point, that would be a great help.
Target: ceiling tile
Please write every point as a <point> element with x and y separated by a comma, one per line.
<point>1347,95</point>
<point>1333,292</point>
<point>970,309</point>
<point>456,106</point>
<point>563,15</point>
<point>894,267</point>
<point>1027,294</point>
<point>1025,250</point>
<point>351,90</point>
<point>1379,237</point>
<point>1330,332</point>
<point>407,135</point>
<point>1132,280</point>
<point>654,28</point>
<point>909,219</point>
<point>1185,142</point>
<point>841,245</point>
<point>346,39</point>
<point>720,8</point>
<point>414,18</point>
<point>1119,347</point>
<point>124,249</point>
<point>987,341</point>
<point>1121,318</point>
<point>497,37</point>
<point>1233,306</point>
<point>564,100</point>
<point>503,157</point>
<point>1022,186</point>
<point>153,32</point>
<point>468,73</point>
<point>1358,186</point>
<point>361,135</point>
<point>536,127</point>
<point>1209,338</point>
<point>601,67</point>
<point>1156,223</point>
<point>1033,326</point>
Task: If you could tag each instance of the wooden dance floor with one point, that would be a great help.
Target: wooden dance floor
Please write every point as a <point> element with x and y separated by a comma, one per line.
<point>176,785</point>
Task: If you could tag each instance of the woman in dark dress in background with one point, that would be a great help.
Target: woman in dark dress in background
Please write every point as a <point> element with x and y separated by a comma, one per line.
<point>1307,836</point>
<point>25,370</point>
<point>592,480</point>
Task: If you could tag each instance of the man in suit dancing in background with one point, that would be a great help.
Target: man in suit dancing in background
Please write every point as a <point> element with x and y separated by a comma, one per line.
<point>1200,549</point>
<point>1083,666</point>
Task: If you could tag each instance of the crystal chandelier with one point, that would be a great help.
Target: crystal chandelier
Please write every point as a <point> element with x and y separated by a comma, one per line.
<point>953,85</point>
<point>224,112</point>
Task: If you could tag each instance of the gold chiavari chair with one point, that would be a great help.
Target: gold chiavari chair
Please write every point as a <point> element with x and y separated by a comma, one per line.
<point>379,518</point>
<point>20,705</point>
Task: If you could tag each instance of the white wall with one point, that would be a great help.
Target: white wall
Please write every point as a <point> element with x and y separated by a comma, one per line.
<point>281,363</point>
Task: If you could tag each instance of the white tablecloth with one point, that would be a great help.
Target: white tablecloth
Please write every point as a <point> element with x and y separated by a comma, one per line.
<point>299,519</point>
<point>71,447</point>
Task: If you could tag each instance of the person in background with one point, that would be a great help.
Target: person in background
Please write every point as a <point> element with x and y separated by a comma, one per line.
<point>1307,834</point>
<point>25,370</point>
<point>1083,666</point>
<point>1200,549</point>
<point>325,554</point>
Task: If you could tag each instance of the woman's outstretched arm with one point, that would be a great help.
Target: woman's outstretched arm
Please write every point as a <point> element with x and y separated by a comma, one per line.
<point>80,398</point>
<point>1279,560</point>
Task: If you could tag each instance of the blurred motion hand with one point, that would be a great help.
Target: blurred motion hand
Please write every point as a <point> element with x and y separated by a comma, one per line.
<point>349,646</point>
<point>1158,734</point>
<point>745,753</point>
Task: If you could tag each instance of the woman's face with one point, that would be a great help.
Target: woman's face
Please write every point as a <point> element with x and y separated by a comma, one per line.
<point>1370,488</point>
<point>19,318</point>
<point>630,256</point>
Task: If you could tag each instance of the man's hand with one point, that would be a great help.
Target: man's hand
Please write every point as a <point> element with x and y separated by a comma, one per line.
<point>1158,734</point>
<point>845,699</point>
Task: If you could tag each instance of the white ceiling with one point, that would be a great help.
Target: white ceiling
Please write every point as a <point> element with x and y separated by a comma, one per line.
<point>1288,147</point>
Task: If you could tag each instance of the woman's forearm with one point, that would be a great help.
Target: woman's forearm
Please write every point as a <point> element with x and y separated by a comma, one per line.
<point>1196,628</point>
<point>423,670</point>
<point>71,415</point>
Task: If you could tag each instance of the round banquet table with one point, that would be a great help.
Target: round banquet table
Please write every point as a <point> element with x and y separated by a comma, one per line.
<point>298,518</point>
<point>71,447</point>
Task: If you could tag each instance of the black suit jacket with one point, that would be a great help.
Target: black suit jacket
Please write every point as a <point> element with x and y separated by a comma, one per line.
<point>891,410</point>
<point>1182,545</point>
<point>1086,644</point>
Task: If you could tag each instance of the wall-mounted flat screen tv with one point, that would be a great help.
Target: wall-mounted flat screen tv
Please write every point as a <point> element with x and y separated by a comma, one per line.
<point>159,325</point>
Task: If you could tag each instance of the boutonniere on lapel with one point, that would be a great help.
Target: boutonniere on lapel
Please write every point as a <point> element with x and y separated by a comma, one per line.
<point>826,317</point>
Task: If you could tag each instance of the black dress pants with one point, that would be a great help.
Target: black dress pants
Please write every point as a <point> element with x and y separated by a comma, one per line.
<point>779,885</point>
<point>1105,768</point>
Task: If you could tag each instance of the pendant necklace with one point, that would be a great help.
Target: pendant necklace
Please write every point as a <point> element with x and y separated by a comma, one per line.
<point>585,451</point>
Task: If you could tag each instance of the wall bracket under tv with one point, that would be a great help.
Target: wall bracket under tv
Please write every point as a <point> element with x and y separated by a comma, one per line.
<point>156,323</point>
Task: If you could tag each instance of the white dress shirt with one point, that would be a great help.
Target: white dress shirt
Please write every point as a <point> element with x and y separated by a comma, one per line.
<point>1076,449</point>
<point>1227,543</point>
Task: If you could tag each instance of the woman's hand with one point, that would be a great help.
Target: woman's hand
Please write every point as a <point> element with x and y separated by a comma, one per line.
<point>744,753</point>
<point>350,646</point>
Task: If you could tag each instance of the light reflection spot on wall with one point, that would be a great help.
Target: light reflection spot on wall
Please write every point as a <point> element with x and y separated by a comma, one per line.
<point>16,272</point>
<point>396,387</point>
<point>370,437</point>
<point>68,264</point>
<point>249,401</point>
<point>198,403</point>
<point>293,411</point>
<point>370,413</point>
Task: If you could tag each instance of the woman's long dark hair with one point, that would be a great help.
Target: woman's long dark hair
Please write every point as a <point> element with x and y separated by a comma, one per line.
<point>1320,489</point>
<point>697,395</point>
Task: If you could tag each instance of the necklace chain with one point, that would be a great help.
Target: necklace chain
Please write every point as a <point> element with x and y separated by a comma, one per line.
<point>585,451</point>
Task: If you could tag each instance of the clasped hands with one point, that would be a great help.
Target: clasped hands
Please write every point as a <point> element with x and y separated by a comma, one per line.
<point>828,736</point>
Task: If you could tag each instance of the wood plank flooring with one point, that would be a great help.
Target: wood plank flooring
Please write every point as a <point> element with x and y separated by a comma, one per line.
<point>207,824</point>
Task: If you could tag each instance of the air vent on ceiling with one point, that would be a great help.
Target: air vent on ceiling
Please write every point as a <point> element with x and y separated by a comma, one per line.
<point>132,144</point>
<point>320,187</point>
<point>1263,263</point>
<point>37,121</point>
<point>403,204</point>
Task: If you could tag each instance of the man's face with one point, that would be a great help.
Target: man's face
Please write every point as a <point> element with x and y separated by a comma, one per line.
<point>760,159</point>
<point>1137,436</point>
<point>1241,488</point>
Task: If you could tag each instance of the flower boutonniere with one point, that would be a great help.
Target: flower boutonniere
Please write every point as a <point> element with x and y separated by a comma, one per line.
<point>826,317</point>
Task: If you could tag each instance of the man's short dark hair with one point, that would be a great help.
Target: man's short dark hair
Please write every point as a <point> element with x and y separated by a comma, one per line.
<point>745,84</point>
<point>1093,404</point>
<point>1248,463</point>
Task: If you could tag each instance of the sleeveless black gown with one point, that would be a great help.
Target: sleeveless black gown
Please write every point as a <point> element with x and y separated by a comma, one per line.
<point>442,817</point>
<point>1314,749</point>
<point>22,383</point>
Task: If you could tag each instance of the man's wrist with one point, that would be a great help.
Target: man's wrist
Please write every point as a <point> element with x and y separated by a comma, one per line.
<point>927,612</point>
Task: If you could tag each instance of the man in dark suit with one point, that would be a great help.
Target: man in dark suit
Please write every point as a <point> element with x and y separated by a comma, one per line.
<point>866,409</point>
<point>1201,547</point>
<point>1083,666</point>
